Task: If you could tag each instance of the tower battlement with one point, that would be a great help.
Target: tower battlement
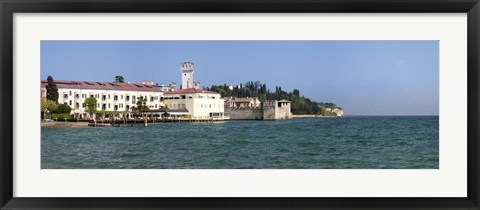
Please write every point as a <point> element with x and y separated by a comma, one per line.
<point>186,67</point>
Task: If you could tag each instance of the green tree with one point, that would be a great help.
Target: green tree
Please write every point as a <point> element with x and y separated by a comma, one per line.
<point>119,79</point>
<point>134,109</point>
<point>142,108</point>
<point>63,109</point>
<point>52,90</point>
<point>47,106</point>
<point>91,105</point>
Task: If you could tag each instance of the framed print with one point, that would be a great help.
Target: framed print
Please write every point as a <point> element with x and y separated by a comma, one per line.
<point>239,105</point>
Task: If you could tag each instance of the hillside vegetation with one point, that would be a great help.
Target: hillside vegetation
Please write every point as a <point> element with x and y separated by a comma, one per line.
<point>301,105</point>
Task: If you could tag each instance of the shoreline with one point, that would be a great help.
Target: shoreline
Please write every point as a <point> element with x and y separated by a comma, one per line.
<point>312,116</point>
<point>63,124</point>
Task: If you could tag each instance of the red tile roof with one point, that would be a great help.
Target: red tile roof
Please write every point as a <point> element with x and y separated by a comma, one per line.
<point>190,90</point>
<point>102,85</point>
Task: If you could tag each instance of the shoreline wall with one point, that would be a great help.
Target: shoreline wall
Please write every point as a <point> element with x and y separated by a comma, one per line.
<point>267,113</point>
<point>244,114</point>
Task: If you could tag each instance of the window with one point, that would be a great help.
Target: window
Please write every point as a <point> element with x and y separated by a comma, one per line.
<point>70,93</point>
<point>70,102</point>
<point>121,96</point>
<point>98,105</point>
<point>76,105</point>
<point>109,106</point>
<point>155,106</point>
<point>83,105</point>
<point>108,96</point>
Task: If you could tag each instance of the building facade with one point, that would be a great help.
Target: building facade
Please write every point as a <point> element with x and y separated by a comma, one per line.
<point>242,102</point>
<point>201,104</point>
<point>110,96</point>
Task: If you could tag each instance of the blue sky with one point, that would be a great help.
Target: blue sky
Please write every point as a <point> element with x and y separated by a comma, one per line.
<point>363,77</point>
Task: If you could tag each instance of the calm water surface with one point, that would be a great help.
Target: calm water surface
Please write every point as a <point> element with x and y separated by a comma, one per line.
<point>320,143</point>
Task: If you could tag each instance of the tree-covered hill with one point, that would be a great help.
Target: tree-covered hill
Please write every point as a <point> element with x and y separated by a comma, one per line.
<point>300,104</point>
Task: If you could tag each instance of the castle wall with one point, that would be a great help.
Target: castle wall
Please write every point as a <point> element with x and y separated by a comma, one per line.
<point>269,113</point>
<point>272,110</point>
<point>283,113</point>
<point>244,114</point>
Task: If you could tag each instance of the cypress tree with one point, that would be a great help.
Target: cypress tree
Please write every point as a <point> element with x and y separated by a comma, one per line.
<point>52,90</point>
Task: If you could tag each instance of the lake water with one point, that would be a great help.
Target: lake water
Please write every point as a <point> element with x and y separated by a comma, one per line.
<point>301,143</point>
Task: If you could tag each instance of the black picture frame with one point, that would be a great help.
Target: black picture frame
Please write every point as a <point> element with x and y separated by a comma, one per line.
<point>9,7</point>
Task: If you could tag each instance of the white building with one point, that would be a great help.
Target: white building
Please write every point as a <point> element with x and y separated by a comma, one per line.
<point>242,102</point>
<point>121,97</point>
<point>201,104</point>
<point>110,96</point>
<point>165,88</point>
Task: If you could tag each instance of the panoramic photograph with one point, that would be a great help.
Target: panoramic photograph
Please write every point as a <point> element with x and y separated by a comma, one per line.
<point>239,104</point>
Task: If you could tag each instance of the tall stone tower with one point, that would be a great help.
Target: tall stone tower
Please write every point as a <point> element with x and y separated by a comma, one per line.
<point>187,74</point>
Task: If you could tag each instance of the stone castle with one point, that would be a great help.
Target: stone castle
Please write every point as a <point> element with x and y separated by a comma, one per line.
<point>253,109</point>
